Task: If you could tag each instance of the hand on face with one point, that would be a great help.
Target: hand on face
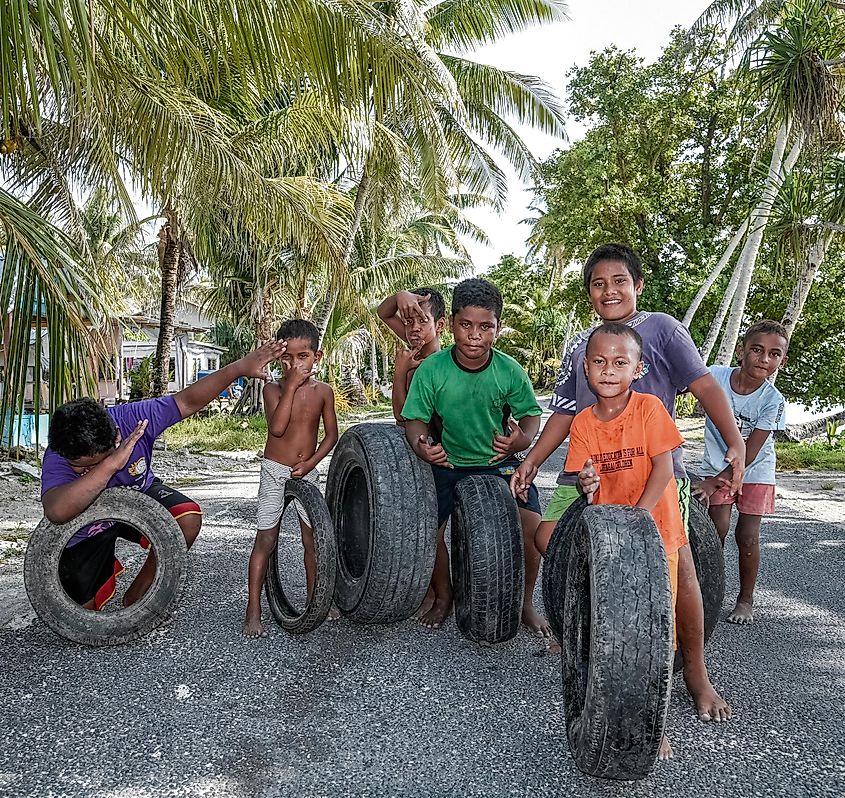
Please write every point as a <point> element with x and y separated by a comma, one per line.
<point>297,373</point>
<point>255,363</point>
<point>120,457</point>
<point>407,359</point>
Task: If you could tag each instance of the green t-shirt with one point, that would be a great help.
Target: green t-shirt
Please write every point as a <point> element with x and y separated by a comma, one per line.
<point>473,405</point>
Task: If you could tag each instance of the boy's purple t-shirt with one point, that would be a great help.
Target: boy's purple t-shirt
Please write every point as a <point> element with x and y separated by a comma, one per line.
<point>670,363</point>
<point>160,413</point>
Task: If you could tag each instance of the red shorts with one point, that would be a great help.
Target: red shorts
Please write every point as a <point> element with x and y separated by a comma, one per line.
<point>755,499</point>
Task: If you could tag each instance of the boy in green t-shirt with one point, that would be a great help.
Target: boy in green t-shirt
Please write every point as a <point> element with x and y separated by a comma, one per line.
<point>476,392</point>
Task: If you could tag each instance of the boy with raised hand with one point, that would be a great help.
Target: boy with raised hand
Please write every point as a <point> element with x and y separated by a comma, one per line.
<point>473,389</point>
<point>622,445</point>
<point>613,279</point>
<point>417,318</point>
<point>294,408</point>
<point>758,408</point>
<point>91,448</point>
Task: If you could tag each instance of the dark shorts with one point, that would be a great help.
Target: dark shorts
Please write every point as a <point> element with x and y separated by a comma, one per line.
<point>88,570</point>
<point>446,479</point>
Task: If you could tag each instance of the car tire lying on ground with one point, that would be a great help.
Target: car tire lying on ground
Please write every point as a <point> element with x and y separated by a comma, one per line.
<point>382,501</point>
<point>709,562</point>
<point>617,642</point>
<point>67,618</point>
<point>556,562</point>
<point>488,564</point>
<point>319,603</point>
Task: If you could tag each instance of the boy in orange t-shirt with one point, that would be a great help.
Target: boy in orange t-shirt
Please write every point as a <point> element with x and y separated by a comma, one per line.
<point>622,445</point>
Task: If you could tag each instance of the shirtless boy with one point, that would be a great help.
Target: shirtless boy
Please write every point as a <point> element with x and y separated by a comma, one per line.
<point>417,318</point>
<point>294,407</point>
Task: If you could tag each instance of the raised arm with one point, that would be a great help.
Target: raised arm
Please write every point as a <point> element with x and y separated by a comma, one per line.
<point>715,403</point>
<point>553,435</point>
<point>254,365</point>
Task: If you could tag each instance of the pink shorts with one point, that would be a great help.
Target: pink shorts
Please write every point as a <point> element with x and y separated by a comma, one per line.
<point>755,499</point>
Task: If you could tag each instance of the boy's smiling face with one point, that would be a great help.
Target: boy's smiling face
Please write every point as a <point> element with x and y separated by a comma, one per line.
<point>761,355</point>
<point>475,330</point>
<point>612,363</point>
<point>613,291</point>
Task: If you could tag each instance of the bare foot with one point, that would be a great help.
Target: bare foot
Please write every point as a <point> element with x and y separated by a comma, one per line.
<point>742,614</point>
<point>708,703</point>
<point>427,604</point>
<point>439,612</point>
<point>253,628</point>
<point>665,751</point>
<point>535,622</point>
<point>553,646</point>
<point>334,614</point>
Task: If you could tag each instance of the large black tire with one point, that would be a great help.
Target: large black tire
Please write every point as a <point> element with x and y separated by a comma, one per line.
<point>488,565</point>
<point>319,602</point>
<point>382,500</point>
<point>709,562</point>
<point>63,615</point>
<point>555,563</point>
<point>617,642</point>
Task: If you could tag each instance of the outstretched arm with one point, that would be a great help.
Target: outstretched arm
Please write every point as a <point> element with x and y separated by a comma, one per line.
<point>553,435</point>
<point>195,397</point>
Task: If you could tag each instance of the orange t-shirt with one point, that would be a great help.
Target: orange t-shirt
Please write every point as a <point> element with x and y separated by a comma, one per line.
<point>621,451</point>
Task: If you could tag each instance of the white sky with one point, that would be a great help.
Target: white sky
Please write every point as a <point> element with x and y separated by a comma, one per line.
<point>549,52</point>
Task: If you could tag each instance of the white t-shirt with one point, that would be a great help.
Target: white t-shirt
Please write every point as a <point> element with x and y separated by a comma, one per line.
<point>763,409</point>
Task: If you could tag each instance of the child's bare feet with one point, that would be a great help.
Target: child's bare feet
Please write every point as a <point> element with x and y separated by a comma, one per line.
<point>742,614</point>
<point>439,612</point>
<point>253,628</point>
<point>665,751</point>
<point>427,604</point>
<point>535,622</point>
<point>708,703</point>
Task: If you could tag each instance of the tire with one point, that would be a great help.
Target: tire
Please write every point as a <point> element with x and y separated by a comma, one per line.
<point>382,500</point>
<point>63,615</point>
<point>555,564</point>
<point>709,562</point>
<point>320,601</point>
<point>617,642</point>
<point>488,565</point>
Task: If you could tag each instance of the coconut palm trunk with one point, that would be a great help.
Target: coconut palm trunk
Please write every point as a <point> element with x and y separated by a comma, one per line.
<point>169,251</point>
<point>806,275</point>
<point>778,168</point>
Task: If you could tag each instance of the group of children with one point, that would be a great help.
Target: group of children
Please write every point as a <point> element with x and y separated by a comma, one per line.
<point>470,409</point>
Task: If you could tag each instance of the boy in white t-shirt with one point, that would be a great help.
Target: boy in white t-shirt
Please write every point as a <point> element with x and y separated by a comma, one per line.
<point>759,410</point>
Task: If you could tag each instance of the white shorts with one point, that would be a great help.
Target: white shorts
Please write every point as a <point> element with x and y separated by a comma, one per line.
<point>271,493</point>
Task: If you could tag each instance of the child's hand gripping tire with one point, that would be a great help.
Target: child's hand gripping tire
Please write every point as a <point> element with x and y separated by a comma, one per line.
<point>319,603</point>
<point>382,500</point>
<point>488,564</point>
<point>67,618</point>
<point>617,642</point>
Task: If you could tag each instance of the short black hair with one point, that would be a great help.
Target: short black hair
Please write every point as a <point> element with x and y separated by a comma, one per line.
<point>477,293</point>
<point>617,328</point>
<point>81,428</point>
<point>300,328</point>
<point>435,301</point>
<point>767,327</point>
<point>616,252</point>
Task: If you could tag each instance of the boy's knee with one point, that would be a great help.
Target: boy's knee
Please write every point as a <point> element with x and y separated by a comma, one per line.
<point>190,526</point>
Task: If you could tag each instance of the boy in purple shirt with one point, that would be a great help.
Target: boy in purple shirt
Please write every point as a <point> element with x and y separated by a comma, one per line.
<point>613,278</point>
<point>92,448</point>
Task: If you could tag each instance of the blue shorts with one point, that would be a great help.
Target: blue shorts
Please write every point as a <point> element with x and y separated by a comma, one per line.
<point>446,479</point>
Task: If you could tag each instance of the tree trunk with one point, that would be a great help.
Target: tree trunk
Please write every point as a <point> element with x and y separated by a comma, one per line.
<point>323,311</point>
<point>778,169</point>
<point>714,275</point>
<point>169,255</point>
<point>806,275</point>
<point>722,312</point>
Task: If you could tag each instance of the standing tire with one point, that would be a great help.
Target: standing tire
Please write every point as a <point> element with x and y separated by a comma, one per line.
<point>488,565</point>
<point>617,642</point>
<point>709,562</point>
<point>382,500</point>
<point>555,563</point>
<point>67,618</point>
<point>319,603</point>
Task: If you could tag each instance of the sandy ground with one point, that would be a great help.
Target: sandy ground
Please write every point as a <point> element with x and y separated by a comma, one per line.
<point>194,710</point>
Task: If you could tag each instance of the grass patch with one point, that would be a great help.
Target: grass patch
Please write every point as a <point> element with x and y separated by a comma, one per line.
<point>810,456</point>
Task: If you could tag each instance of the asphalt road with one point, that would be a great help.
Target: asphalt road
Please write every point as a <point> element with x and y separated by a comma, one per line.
<point>194,710</point>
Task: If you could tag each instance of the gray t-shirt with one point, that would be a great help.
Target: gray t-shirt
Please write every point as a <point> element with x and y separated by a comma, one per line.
<point>670,363</point>
<point>763,409</point>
